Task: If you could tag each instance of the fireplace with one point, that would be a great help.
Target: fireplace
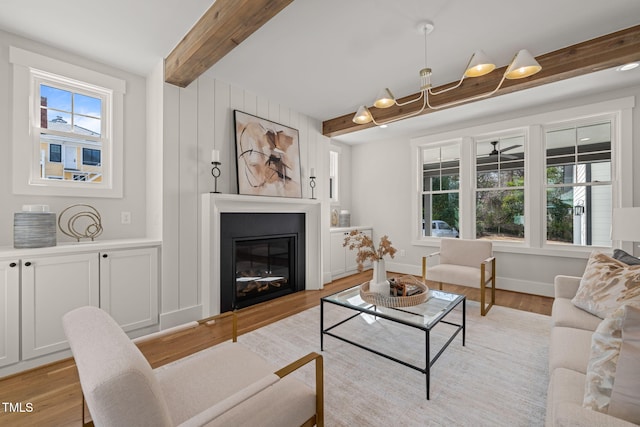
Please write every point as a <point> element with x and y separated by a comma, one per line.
<point>214,206</point>
<point>261,257</point>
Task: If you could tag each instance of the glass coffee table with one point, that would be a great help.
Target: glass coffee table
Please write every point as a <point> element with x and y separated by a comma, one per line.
<point>423,316</point>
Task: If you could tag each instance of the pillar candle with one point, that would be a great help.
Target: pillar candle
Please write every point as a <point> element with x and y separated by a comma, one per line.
<point>215,156</point>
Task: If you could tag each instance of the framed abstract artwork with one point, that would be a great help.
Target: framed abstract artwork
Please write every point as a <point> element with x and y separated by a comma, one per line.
<point>267,157</point>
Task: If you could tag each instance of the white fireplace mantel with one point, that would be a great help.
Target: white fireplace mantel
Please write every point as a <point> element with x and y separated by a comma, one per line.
<point>215,204</point>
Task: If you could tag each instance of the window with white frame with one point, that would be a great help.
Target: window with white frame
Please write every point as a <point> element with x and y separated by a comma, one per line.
<point>549,181</point>
<point>70,142</point>
<point>500,183</point>
<point>71,116</point>
<point>333,176</point>
<point>579,184</point>
<point>440,195</point>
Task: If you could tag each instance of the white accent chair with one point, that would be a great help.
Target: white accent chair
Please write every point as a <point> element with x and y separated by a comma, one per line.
<point>225,385</point>
<point>464,262</point>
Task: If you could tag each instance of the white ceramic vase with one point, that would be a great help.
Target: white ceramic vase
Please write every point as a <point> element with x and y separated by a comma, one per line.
<point>379,282</point>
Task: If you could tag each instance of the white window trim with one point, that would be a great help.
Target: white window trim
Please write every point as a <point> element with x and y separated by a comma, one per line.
<point>622,156</point>
<point>335,201</point>
<point>26,174</point>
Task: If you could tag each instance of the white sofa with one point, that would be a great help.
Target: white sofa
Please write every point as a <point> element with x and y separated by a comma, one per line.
<point>226,385</point>
<point>569,352</point>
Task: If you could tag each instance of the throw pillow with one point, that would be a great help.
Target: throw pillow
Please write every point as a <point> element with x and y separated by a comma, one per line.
<point>623,256</point>
<point>625,395</point>
<point>606,383</point>
<point>607,284</point>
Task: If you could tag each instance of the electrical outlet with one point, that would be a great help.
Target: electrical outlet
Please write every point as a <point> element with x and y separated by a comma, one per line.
<point>403,252</point>
<point>125,217</point>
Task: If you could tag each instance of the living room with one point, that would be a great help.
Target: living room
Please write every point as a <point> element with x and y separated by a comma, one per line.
<point>168,135</point>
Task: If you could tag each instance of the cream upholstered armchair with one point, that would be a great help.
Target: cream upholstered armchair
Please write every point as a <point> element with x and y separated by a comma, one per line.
<point>225,385</point>
<point>466,263</point>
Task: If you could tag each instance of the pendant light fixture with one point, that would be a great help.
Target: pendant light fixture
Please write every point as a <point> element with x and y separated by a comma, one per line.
<point>523,65</point>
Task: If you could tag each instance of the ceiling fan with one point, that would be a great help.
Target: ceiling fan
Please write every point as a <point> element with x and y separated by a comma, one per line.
<point>496,152</point>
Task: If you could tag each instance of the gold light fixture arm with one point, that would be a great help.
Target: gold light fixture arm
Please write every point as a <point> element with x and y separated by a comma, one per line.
<point>406,116</point>
<point>461,101</point>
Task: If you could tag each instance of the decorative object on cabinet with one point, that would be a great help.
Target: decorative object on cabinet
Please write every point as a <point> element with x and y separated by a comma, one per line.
<point>334,217</point>
<point>267,157</point>
<point>34,227</point>
<point>367,251</point>
<point>215,170</point>
<point>344,219</point>
<point>73,218</point>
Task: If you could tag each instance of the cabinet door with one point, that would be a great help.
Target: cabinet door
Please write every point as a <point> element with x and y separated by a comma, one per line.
<point>52,286</point>
<point>338,265</point>
<point>129,286</point>
<point>9,306</point>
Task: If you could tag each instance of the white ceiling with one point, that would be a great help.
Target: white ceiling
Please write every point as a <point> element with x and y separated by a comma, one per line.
<point>325,57</point>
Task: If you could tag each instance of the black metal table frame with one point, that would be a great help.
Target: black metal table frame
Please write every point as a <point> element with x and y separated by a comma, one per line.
<point>428,360</point>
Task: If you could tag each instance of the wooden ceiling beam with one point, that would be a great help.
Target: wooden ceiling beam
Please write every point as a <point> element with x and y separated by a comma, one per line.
<point>224,26</point>
<point>604,52</point>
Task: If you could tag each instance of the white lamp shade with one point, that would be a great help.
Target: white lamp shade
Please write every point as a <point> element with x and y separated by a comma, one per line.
<point>479,65</point>
<point>625,224</point>
<point>523,65</point>
<point>363,116</point>
<point>385,99</point>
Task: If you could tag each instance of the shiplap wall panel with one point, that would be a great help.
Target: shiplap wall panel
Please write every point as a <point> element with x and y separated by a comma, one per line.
<point>198,119</point>
<point>223,118</point>
<point>189,195</point>
<point>171,200</point>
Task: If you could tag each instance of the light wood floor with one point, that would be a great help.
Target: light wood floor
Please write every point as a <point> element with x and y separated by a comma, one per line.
<point>54,390</point>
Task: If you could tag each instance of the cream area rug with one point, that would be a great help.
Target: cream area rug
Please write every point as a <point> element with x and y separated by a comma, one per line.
<point>498,379</point>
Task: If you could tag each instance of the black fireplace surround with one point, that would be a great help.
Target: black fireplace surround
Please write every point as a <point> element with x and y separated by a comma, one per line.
<point>262,256</point>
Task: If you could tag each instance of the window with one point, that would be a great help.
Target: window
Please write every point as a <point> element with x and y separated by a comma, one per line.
<point>544,182</point>
<point>440,190</point>
<point>333,176</point>
<point>55,153</point>
<point>578,187</point>
<point>74,121</point>
<point>76,117</point>
<point>500,182</point>
<point>90,157</point>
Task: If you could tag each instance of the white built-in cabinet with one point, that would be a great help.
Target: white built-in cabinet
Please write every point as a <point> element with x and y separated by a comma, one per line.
<point>10,306</point>
<point>52,286</point>
<point>343,259</point>
<point>129,286</point>
<point>38,286</point>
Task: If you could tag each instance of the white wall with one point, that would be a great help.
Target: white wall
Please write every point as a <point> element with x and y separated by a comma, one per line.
<point>196,120</point>
<point>134,150</point>
<point>382,197</point>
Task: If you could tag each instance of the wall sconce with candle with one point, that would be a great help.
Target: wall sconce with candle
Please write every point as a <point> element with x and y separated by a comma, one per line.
<point>215,170</point>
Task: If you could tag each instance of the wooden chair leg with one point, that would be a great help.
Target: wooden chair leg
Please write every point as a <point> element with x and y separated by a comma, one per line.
<point>484,309</point>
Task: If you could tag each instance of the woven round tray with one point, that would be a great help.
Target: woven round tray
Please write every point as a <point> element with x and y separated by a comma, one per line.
<point>396,301</point>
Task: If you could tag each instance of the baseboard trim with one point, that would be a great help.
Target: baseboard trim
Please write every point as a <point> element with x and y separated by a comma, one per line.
<point>181,316</point>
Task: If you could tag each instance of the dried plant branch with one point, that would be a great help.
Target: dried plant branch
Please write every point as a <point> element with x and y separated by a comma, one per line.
<point>366,249</point>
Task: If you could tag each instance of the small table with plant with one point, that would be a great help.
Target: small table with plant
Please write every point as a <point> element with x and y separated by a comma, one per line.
<point>423,314</point>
